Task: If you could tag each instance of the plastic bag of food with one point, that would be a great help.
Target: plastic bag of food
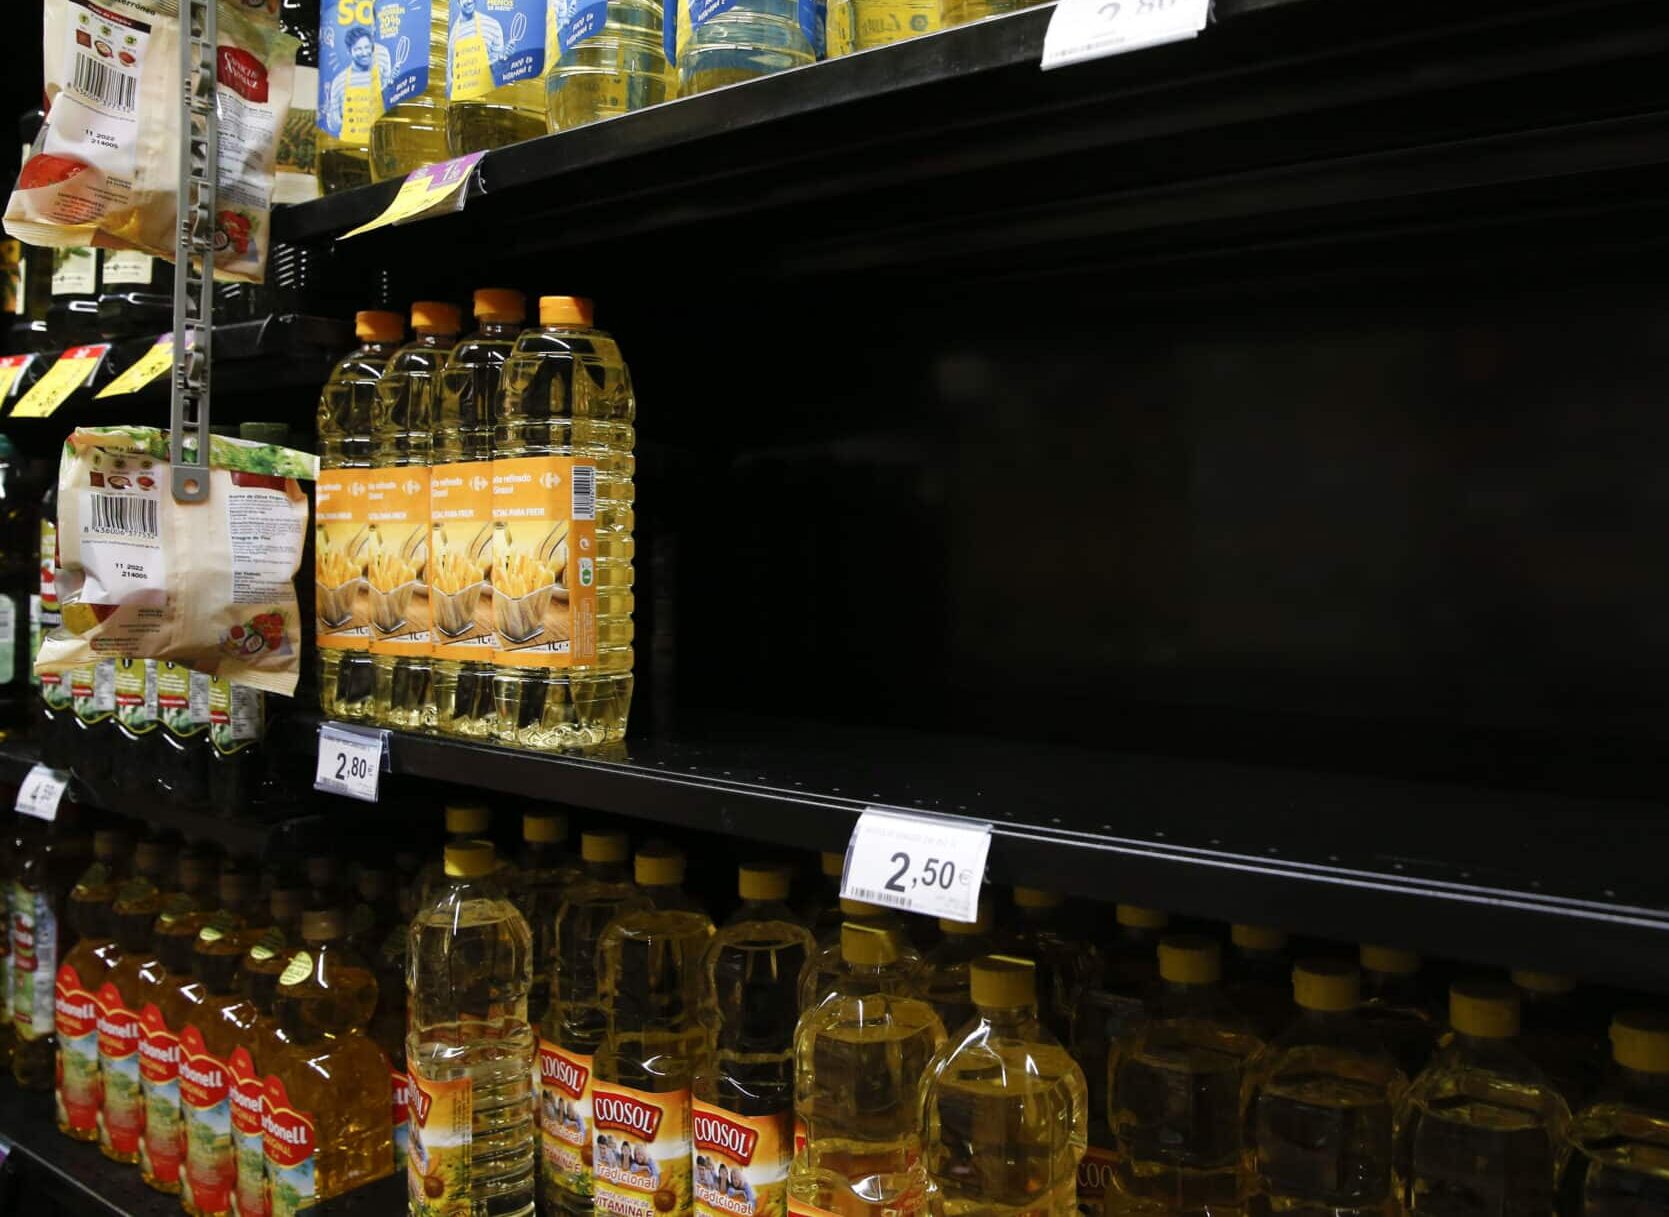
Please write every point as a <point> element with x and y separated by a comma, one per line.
<point>104,169</point>
<point>210,585</point>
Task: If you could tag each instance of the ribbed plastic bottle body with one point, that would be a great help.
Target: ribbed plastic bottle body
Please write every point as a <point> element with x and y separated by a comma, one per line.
<point>412,134</point>
<point>752,38</point>
<point>620,68</point>
<point>1619,1166</point>
<point>750,980</point>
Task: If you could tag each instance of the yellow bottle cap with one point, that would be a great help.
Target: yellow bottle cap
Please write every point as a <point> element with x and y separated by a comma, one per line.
<point>981,924</point>
<point>469,859</point>
<point>1190,959</point>
<point>565,310</point>
<point>604,846</point>
<point>658,867</point>
<point>435,315</point>
<point>762,881</point>
<point>499,304</point>
<point>1640,1040</point>
<point>1326,984</point>
<point>1392,961</point>
<point>1257,937</point>
<point>1003,981</point>
<point>374,325</point>
<point>1483,1008</point>
<point>858,908</point>
<point>1037,898</point>
<point>1548,984</point>
<point>1135,917</point>
<point>867,946</point>
<point>322,925</point>
<point>544,827</point>
<point>833,864</point>
<point>467,819</point>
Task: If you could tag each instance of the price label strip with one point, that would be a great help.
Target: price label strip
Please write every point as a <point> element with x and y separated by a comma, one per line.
<point>40,793</point>
<point>11,367</point>
<point>1081,30</point>
<point>917,863</point>
<point>431,190</point>
<point>153,363</point>
<point>72,370</point>
<point>351,761</point>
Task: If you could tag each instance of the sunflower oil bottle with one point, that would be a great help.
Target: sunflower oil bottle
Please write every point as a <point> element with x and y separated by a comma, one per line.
<point>1319,1104</point>
<point>563,489</point>
<point>353,68</point>
<point>859,1058</point>
<point>1067,963</point>
<point>1481,1130</point>
<point>461,513</point>
<point>1260,977</point>
<point>411,130</point>
<point>1174,1091</point>
<point>120,1032</point>
<point>957,12</point>
<point>543,872</point>
<point>469,1048</point>
<point>820,977</point>
<point>495,73</point>
<point>342,527</point>
<point>13,842</point>
<point>744,41</point>
<point>575,1021</point>
<point>1392,1001</point>
<point>56,705</point>
<point>605,59</point>
<point>1555,1034</point>
<point>823,910</point>
<point>1620,1162</point>
<point>49,869</point>
<point>947,968</point>
<point>397,498</point>
<point>86,968</point>
<point>1004,1108</point>
<point>268,953</point>
<point>465,822</point>
<point>859,25</point>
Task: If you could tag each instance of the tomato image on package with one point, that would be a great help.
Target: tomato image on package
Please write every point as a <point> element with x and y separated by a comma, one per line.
<point>162,1148</point>
<point>741,1162</point>
<point>206,1107</point>
<point>122,1114</point>
<point>640,1151</point>
<point>76,1017</point>
<point>288,1139</point>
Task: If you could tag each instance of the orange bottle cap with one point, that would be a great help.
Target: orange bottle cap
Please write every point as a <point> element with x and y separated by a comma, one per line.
<point>435,315</point>
<point>374,325</point>
<point>500,304</point>
<point>565,310</point>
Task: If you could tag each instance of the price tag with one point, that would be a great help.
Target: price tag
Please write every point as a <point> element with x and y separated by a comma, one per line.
<point>71,371</point>
<point>153,363</point>
<point>1080,30</point>
<point>40,792</point>
<point>917,863</point>
<point>426,191</point>
<point>351,761</point>
<point>10,368</point>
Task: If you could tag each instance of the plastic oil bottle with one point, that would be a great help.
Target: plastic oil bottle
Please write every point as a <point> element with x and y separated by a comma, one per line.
<point>956,12</point>
<point>465,822</point>
<point>182,762</point>
<point>1260,977</point>
<point>567,683</point>
<point>461,510</point>
<point>605,59</point>
<point>93,697</point>
<point>263,963</point>
<point>1620,1164</point>
<point>1004,1108</point>
<point>1481,1130</point>
<point>1555,1034</point>
<point>821,975</point>
<point>469,1048</point>
<point>859,1058</point>
<point>410,132</point>
<point>495,85</point>
<point>121,1034</point>
<point>544,869</point>
<point>858,25</point>
<point>749,39</point>
<point>1067,963</point>
<point>136,726</point>
<point>353,68</point>
<point>57,704</point>
<point>823,910</point>
<point>85,969</point>
<point>1174,1091</point>
<point>1319,1104</point>
<point>342,527</point>
<point>1393,1002</point>
<point>575,1022</point>
<point>947,967</point>
<point>48,871</point>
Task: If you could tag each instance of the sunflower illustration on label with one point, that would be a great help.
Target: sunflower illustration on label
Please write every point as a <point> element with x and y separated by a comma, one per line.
<point>287,1139</point>
<point>76,1018</point>
<point>640,1151</point>
<point>565,1118</point>
<point>122,1121</point>
<point>437,1146</point>
<point>741,1162</point>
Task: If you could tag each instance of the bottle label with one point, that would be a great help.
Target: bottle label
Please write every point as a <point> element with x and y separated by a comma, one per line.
<point>93,691</point>
<point>341,547</point>
<point>353,67</point>
<point>34,637</point>
<point>75,271</point>
<point>49,565</point>
<point>174,703</point>
<point>461,560</point>
<point>294,180</point>
<point>237,716</point>
<point>683,17</point>
<point>437,1148</point>
<point>76,1015</point>
<point>564,1118</point>
<point>401,1116</point>
<point>403,45</point>
<point>741,1162</point>
<point>1095,1176</point>
<point>287,1138</point>
<point>126,266</point>
<point>249,1199</point>
<point>397,504</point>
<point>799,1208</point>
<point>9,619</point>
<point>34,963</point>
<point>544,561</point>
<point>491,43</point>
<point>122,1122</point>
<point>640,1151</point>
<point>136,695</point>
<point>206,1107</point>
<point>162,1148</point>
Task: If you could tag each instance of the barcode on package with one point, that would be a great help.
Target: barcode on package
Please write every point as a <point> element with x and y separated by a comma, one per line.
<point>124,515</point>
<point>101,83</point>
<point>585,492</point>
<point>870,895</point>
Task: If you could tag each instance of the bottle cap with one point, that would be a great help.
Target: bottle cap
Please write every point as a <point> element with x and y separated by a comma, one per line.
<point>287,903</point>
<point>321,925</point>
<point>867,946</point>
<point>604,846</point>
<point>544,827</point>
<point>1257,937</point>
<point>469,859</point>
<point>859,908</point>
<point>1483,1008</point>
<point>1392,961</point>
<point>435,315</point>
<point>108,844</point>
<point>662,867</point>
<point>1640,1040</point>
<point>1326,984</point>
<point>374,325</point>
<point>1548,984</point>
<point>981,924</point>
<point>565,310</point>
<point>1003,981</point>
<point>834,864</point>
<point>1190,959</point>
<point>500,304</point>
<point>1037,898</point>
<point>467,819</point>
<point>1134,917</point>
<point>761,881</point>
<point>265,433</point>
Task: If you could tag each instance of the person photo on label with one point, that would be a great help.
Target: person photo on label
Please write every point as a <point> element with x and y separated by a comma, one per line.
<point>368,66</point>
<point>474,32</point>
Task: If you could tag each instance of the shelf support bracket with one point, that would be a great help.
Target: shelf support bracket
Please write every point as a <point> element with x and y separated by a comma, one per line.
<point>194,252</point>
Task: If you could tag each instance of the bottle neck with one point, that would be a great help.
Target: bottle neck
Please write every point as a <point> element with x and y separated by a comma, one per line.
<point>1014,1020</point>
<point>500,329</point>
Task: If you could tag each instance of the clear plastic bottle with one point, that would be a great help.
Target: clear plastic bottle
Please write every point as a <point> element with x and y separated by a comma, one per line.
<point>342,531</point>
<point>1174,1091</point>
<point>481,113</point>
<point>543,872</point>
<point>823,911</point>
<point>85,969</point>
<point>1620,1163</point>
<point>749,39</point>
<point>1004,1109</point>
<point>563,463</point>
<point>469,1048</point>
<point>93,694</point>
<point>1481,1130</point>
<point>947,967</point>
<point>606,59</point>
<point>1394,1003</point>
<point>48,871</point>
<point>822,972</point>
<point>1260,977</point>
<point>412,132</point>
<point>859,25</point>
<point>958,12</point>
<point>1068,964</point>
<point>1559,1034</point>
<point>397,494</point>
<point>352,72</point>
<point>1318,1105</point>
<point>859,1058</point>
<point>460,495</point>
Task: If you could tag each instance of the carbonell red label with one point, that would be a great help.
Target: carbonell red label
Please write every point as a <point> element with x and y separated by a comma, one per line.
<point>204,1081</point>
<point>250,1196</point>
<point>75,1018</point>
<point>723,1135</point>
<point>76,1010</point>
<point>625,1114</point>
<point>122,1122</point>
<point>286,1132</point>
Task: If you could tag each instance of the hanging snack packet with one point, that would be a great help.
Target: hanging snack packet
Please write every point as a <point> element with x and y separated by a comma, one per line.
<point>210,585</point>
<point>104,169</point>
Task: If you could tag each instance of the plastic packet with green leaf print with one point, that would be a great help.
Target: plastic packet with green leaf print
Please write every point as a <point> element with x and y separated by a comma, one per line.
<point>209,585</point>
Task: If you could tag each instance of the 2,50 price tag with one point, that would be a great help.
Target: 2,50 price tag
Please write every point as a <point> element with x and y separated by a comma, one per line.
<point>40,793</point>
<point>917,863</point>
<point>351,761</point>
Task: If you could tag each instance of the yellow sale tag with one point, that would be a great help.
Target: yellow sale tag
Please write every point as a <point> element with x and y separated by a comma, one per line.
<point>10,366</point>
<point>71,371</point>
<point>142,371</point>
<point>429,189</point>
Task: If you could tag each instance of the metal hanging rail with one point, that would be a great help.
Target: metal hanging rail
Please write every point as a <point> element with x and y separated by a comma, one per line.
<point>194,252</point>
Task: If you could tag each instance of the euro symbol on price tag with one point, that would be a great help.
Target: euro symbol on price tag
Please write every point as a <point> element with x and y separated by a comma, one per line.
<point>351,761</point>
<point>922,864</point>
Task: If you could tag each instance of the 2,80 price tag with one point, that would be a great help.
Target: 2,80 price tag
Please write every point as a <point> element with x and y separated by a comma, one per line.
<point>917,863</point>
<point>351,761</point>
<point>40,792</point>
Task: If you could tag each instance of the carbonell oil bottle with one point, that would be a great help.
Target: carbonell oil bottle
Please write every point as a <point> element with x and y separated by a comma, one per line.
<point>49,870</point>
<point>78,1090</point>
<point>138,901</point>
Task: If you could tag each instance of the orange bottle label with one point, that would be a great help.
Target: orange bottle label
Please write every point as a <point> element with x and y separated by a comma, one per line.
<point>640,1151</point>
<point>461,560</point>
<point>396,560</point>
<point>741,1162</point>
<point>341,546</point>
<point>545,561</point>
